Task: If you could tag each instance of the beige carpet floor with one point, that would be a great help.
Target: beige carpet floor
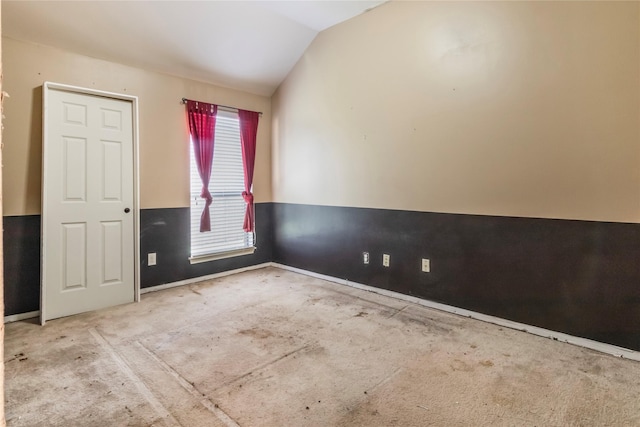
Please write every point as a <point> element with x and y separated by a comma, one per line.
<point>275,348</point>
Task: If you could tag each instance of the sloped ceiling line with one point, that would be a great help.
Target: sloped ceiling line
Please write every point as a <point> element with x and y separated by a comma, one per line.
<point>249,46</point>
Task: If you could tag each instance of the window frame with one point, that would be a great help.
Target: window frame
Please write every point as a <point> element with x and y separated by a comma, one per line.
<point>194,198</point>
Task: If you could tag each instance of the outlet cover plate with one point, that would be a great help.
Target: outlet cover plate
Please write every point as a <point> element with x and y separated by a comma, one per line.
<point>426,265</point>
<point>385,260</point>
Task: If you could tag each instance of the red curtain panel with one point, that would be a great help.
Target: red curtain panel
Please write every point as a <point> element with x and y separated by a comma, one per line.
<point>202,124</point>
<point>248,132</point>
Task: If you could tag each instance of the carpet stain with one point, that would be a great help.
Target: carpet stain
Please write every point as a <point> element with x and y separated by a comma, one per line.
<point>256,333</point>
<point>459,365</point>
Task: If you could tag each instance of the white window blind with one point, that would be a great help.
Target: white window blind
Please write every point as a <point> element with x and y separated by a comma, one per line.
<point>226,187</point>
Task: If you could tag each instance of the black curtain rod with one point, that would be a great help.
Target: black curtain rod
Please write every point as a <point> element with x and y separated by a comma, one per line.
<point>184,101</point>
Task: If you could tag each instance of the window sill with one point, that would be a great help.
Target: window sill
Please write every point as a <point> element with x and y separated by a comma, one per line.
<point>221,255</point>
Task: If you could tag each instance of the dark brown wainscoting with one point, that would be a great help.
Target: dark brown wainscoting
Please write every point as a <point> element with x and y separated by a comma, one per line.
<point>577,277</point>
<point>164,231</point>
<point>21,241</point>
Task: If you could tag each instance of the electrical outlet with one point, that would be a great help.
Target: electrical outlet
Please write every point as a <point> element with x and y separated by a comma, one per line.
<point>365,257</point>
<point>385,260</point>
<point>426,265</point>
<point>151,258</point>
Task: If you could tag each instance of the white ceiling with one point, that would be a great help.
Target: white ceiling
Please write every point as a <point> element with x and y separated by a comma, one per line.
<point>246,45</point>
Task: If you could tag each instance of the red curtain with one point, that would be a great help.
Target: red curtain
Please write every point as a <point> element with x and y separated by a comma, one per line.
<point>202,124</point>
<point>248,132</point>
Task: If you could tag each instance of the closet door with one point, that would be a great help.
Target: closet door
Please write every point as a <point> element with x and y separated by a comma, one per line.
<point>88,203</point>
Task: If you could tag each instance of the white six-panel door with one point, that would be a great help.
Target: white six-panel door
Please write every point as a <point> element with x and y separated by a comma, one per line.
<point>88,203</point>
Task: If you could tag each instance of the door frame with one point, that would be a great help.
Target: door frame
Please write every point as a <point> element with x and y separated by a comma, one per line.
<point>46,87</point>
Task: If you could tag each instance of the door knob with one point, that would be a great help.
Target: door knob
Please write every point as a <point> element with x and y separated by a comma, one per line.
<point>127,210</point>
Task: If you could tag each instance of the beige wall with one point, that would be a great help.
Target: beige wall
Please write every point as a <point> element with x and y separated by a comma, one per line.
<point>164,161</point>
<point>504,108</point>
<point>2,417</point>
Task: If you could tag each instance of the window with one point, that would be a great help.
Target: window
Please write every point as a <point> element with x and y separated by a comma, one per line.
<point>226,238</point>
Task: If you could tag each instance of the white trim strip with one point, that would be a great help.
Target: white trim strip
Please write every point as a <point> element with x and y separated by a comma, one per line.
<point>32,314</point>
<point>534,330</point>
<point>222,255</point>
<point>21,316</point>
<point>202,278</point>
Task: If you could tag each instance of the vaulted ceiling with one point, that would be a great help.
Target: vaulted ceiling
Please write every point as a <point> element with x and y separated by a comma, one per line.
<point>246,45</point>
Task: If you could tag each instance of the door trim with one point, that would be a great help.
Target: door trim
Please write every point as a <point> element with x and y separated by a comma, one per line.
<point>46,87</point>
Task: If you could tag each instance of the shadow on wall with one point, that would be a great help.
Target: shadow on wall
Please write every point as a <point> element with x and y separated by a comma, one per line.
<point>21,234</point>
<point>34,165</point>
